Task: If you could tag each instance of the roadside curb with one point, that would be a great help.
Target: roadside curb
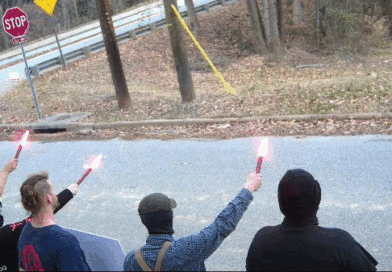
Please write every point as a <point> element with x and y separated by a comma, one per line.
<point>73,126</point>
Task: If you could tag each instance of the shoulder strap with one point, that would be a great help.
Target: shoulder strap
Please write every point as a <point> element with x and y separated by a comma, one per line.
<point>141,262</point>
<point>161,255</point>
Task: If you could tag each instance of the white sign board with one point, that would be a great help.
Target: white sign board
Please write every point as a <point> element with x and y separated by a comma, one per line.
<point>102,253</point>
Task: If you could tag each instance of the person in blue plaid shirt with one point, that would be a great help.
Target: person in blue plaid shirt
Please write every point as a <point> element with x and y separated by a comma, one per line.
<point>163,252</point>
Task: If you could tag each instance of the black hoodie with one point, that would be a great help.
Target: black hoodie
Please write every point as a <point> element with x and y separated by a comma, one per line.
<point>299,244</point>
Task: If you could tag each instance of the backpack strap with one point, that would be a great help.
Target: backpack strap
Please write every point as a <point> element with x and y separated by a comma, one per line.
<point>161,255</point>
<point>141,262</point>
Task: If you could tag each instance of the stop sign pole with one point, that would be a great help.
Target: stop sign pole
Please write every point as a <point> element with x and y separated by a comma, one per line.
<point>31,82</point>
<point>16,23</point>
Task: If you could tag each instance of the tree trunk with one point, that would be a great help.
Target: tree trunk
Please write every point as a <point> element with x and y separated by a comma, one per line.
<point>256,26</point>
<point>297,12</point>
<point>267,24</point>
<point>279,7</point>
<point>275,39</point>
<point>74,13</point>
<point>317,22</point>
<point>194,22</point>
<point>184,76</point>
<point>65,15</point>
<point>113,54</point>
<point>260,20</point>
<point>386,6</point>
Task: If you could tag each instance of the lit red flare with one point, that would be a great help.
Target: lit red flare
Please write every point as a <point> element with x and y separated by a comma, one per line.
<point>93,165</point>
<point>263,150</point>
<point>22,143</point>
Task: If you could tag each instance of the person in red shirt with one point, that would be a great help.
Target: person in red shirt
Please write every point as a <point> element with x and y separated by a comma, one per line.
<point>43,245</point>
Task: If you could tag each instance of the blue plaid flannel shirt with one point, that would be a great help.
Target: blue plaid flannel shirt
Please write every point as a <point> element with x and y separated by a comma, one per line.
<point>189,253</point>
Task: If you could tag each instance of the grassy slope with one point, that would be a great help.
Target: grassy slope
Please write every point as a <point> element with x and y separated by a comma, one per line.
<point>269,85</point>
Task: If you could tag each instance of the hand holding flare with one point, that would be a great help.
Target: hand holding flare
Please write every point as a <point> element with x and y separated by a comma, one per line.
<point>262,152</point>
<point>94,165</point>
<point>22,143</point>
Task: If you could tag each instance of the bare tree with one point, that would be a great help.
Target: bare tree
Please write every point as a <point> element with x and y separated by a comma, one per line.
<point>267,24</point>
<point>280,14</point>
<point>113,54</point>
<point>386,6</point>
<point>73,9</point>
<point>194,22</point>
<point>181,62</point>
<point>297,12</point>
<point>257,26</point>
<point>275,37</point>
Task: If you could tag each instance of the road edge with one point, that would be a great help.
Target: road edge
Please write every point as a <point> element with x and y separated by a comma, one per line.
<point>76,126</point>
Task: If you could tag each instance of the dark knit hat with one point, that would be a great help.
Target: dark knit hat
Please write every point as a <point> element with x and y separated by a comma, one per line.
<point>299,195</point>
<point>156,203</point>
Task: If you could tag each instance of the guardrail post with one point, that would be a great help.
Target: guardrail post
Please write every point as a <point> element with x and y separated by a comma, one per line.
<point>222,2</point>
<point>28,70</point>
<point>60,59</point>
<point>132,34</point>
<point>33,70</point>
<point>86,51</point>
<point>206,8</point>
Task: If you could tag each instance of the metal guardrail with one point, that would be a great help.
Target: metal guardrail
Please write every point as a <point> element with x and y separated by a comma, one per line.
<point>153,23</point>
<point>144,10</point>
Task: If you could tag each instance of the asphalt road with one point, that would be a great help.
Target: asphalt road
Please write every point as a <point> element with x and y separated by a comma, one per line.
<point>203,176</point>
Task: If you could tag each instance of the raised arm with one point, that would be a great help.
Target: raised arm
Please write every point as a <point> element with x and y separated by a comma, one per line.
<point>203,244</point>
<point>66,196</point>
<point>10,167</point>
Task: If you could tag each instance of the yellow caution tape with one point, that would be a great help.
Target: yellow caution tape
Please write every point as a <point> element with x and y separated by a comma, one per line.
<point>225,84</point>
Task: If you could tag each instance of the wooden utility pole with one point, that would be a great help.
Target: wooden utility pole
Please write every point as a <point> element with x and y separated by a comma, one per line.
<point>179,53</point>
<point>109,36</point>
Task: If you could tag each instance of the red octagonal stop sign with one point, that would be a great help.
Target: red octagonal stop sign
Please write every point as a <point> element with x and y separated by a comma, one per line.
<point>15,22</point>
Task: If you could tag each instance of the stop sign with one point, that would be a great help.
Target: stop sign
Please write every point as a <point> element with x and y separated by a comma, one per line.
<point>15,22</point>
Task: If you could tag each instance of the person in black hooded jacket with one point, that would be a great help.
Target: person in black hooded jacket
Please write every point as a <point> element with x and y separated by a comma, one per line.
<point>8,169</point>
<point>299,244</point>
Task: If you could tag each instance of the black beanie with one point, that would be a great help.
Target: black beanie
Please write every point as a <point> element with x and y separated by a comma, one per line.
<point>299,195</point>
